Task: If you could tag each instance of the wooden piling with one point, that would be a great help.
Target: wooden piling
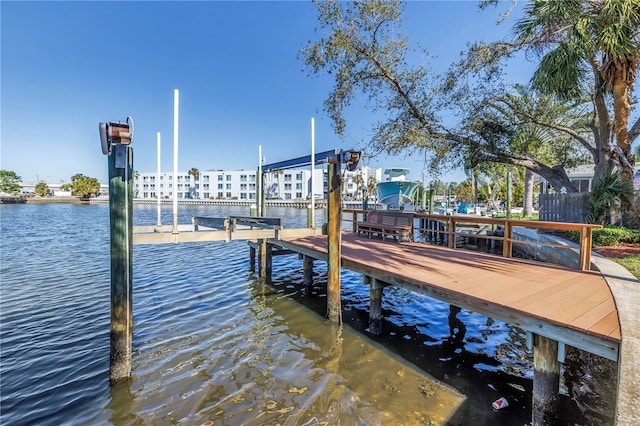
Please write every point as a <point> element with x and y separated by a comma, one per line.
<point>375,306</point>
<point>262,257</point>
<point>333,244</point>
<point>307,265</point>
<point>546,381</point>
<point>252,258</point>
<point>121,241</point>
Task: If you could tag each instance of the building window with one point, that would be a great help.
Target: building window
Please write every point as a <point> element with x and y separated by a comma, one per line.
<point>243,178</point>
<point>287,177</point>
<point>287,187</point>
<point>228,186</point>
<point>299,186</point>
<point>220,177</point>
<point>287,196</point>
<point>221,186</point>
<point>298,194</point>
<point>228,177</point>
<point>298,176</point>
<point>243,187</point>
<point>228,195</point>
<point>243,195</point>
<point>206,195</point>
<point>220,194</point>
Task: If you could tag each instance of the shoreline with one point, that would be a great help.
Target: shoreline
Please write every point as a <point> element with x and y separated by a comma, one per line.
<point>302,204</point>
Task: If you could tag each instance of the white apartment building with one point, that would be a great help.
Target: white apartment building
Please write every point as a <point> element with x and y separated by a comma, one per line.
<point>291,184</point>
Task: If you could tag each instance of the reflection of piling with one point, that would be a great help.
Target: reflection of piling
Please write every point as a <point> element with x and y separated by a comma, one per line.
<point>307,265</point>
<point>121,233</point>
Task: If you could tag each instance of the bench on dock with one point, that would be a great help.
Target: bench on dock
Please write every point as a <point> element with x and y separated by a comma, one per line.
<point>386,223</point>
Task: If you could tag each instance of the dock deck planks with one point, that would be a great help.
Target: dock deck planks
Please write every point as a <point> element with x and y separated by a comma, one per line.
<point>565,298</point>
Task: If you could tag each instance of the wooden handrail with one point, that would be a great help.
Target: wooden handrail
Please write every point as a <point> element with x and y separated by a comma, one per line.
<point>585,229</point>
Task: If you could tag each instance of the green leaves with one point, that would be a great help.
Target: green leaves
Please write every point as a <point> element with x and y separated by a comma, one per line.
<point>608,193</point>
<point>10,182</point>
<point>84,186</point>
<point>42,189</point>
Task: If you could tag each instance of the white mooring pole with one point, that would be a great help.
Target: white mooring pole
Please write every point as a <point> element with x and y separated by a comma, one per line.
<point>158,181</point>
<point>313,172</point>
<point>176,102</point>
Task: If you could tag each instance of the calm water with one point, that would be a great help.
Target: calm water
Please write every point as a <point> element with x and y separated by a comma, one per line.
<point>215,345</point>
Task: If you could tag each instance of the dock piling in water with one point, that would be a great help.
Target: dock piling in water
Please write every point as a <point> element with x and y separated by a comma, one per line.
<point>121,232</point>
<point>546,380</point>
<point>375,306</point>
<point>333,244</point>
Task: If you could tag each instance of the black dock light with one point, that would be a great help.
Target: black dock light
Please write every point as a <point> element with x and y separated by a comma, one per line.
<point>115,133</point>
<point>352,159</point>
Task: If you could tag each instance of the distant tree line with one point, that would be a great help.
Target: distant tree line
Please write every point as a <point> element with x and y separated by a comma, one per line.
<point>81,185</point>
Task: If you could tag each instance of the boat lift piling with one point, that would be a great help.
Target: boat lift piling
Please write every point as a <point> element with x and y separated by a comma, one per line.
<point>115,138</point>
<point>334,159</point>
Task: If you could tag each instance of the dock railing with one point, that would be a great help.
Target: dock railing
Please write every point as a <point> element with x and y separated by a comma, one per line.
<point>446,229</point>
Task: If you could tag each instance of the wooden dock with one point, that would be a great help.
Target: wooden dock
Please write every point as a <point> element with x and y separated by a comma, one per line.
<point>569,306</point>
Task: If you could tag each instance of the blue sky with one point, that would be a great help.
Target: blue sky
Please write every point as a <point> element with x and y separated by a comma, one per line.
<point>66,66</point>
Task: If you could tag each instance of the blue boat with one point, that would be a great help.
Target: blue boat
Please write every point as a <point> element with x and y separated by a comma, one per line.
<point>395,192</point>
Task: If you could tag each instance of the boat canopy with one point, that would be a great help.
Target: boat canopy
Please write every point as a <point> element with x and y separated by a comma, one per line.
<point>396,171</point>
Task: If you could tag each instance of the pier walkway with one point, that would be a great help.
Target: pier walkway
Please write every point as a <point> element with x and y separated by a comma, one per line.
<point>569,306</point>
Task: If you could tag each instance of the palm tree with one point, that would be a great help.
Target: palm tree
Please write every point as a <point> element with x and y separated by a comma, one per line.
<point>194,173</point>
<point>372,182</point>
<point>358,180</point>
<point>590,46</point>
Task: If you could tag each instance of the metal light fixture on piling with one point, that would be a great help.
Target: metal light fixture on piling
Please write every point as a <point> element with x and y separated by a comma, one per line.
<point>115,138</point>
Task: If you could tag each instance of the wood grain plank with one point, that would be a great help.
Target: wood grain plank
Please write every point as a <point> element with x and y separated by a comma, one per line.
<point>524,292</point>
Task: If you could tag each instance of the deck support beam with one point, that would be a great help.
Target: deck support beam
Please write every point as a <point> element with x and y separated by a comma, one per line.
<point>546,380</point>
<point>375,306</point>
<point>334,310</point>
<point>307,266</point>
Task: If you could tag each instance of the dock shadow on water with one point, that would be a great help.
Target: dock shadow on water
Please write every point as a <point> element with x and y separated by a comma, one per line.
<point>259,357</point>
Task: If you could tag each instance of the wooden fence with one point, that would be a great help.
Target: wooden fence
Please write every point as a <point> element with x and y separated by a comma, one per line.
<point>572,208</point>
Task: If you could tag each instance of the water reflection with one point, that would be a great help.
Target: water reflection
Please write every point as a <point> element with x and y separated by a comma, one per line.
<point>457,329</point>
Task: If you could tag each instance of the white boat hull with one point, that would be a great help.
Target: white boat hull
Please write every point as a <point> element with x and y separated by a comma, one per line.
<point>395,194</point>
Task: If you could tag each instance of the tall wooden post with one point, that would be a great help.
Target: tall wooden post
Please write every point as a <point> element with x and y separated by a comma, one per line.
<point>121,232</point>
<point>546,381</point>
<point>333,244</point>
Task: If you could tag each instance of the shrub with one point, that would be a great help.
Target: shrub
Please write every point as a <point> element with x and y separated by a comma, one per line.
<point>609,236</point>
